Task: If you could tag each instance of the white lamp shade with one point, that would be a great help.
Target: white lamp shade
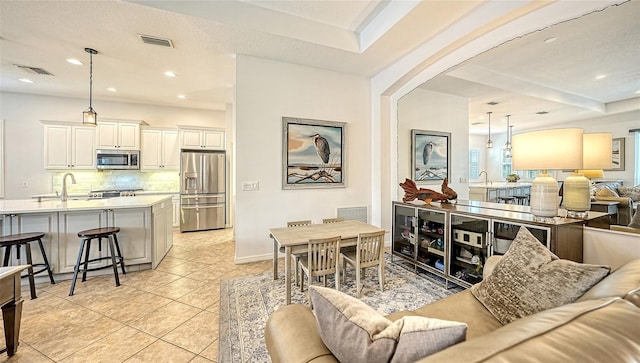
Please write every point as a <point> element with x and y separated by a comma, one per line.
<point>597,150</point>
<point>548,150</point>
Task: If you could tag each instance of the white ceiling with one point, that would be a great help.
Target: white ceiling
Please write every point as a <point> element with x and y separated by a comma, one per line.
<point>357,37</point>
<point>527,75</point>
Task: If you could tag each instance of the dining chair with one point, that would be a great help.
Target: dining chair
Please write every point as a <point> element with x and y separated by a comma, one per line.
<point>321,260</point>
<point>296,256</point>
<point>368,253</point>
<point>332,220</point>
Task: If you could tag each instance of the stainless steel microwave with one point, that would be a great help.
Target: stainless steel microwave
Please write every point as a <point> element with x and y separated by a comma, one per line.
<point>118,159</point>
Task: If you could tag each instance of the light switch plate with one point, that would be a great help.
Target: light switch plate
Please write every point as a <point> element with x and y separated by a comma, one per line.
<point>250,185</point>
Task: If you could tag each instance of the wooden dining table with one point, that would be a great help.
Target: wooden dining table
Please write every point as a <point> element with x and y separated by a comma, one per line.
<point>11,302</point>
<point>296,240</point>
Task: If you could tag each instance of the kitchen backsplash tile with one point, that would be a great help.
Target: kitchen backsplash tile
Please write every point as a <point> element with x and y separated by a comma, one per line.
<point>86,181</point>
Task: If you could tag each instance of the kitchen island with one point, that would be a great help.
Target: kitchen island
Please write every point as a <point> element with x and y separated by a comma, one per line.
<point>145,223</point>
<point>491,191</point>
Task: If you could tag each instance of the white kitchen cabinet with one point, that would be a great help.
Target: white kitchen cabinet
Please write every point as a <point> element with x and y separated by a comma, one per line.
<point>160,149</point>
<point>134,237</point>
<point>69,147</point>
<point>47,223</point>
<point>207,139</point>
<point>162,231</point>
<point>118,135</point>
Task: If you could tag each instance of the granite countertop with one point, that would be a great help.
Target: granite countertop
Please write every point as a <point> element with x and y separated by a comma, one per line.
<point>81,203</point>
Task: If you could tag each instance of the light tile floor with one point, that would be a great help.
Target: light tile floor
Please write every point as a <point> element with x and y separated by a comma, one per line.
<point>169,314</point>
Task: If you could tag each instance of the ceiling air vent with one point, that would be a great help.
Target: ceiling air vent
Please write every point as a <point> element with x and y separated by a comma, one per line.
<point>148,39</point>
<point>492,103</point>
<point>35,70</point>
<point>542,113</point>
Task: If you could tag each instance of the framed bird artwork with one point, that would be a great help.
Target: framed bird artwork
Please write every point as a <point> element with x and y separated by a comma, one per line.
<point>313,153</point>
<point>430,150</point>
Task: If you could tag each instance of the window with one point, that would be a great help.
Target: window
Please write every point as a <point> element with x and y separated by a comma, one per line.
<point>474,163</point>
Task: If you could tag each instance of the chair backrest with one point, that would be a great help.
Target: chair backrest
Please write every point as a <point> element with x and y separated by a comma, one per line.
<point>323,255</point>
<point>298,223</point>
<point>370,248</point>
<point>332,220</point>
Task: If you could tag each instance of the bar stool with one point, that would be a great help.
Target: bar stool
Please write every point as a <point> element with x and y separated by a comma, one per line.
<point>521,199</point>
<point>25,239</point>
<point>114,253</point>
<point>506,200</point>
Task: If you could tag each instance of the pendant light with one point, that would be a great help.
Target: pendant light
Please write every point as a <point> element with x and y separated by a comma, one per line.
<point>509,135</point>
<point>89,116</point>
<point>489,142</point>
<point>507,145</point>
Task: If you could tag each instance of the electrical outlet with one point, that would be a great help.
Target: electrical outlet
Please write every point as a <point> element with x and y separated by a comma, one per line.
<point>25,184</point>
<point>463,179</point>
<point>250,185</point>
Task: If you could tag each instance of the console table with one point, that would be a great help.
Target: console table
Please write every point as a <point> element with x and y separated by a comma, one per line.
<point>609,207</point>
<point>11,301</point>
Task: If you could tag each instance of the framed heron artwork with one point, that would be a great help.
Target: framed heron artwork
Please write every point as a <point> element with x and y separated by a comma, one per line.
<point>313,153</point>
<point>430,152</point>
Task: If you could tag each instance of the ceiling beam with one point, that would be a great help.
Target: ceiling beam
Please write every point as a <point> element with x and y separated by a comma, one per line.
<point>481,75</point>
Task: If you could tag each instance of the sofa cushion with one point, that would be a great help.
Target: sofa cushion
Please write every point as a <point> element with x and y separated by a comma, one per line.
<point>529,278</point>
<point>633,193</point>
<point>463,307</point>
<point>603,330</point>
<point>354,332</point>
<point>619,283</point>
<point>635,221</point>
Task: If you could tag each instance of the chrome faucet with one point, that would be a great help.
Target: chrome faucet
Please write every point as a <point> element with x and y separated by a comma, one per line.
<point>485,177</point>
<point>64,195</point>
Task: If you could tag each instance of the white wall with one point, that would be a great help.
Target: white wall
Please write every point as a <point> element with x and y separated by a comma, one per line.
<point>434,111</point>
<point>24,153</point>
<point>265,92</point>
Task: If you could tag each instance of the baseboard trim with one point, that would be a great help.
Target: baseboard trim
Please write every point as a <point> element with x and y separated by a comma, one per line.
<point>254,258</point>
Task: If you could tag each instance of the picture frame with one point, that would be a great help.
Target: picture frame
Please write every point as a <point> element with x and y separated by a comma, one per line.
<point>617,155</point>
<point>313,153</point>
<point>430,160</point>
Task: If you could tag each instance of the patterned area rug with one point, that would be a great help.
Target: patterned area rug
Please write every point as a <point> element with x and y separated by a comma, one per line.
<point>246,303</point>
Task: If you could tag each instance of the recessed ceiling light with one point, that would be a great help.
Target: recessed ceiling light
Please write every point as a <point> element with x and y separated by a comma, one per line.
<point>182,97</point>
<point>74,61</point>
<point>112,89</point>
<point>637,92</point>
<point>601,76</point>
<point>169,74</point>
<point>550,40</point>
<point>25,80</point>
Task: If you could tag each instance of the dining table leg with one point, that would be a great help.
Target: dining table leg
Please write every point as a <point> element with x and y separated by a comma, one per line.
<point>287,274</point>
<point>275,259</point>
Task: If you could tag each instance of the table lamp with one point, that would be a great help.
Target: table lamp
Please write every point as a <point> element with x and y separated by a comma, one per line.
<point>544,150</point>
<point>596,155</point>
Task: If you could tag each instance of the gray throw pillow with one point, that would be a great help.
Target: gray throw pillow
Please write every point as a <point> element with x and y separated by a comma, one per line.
<point>354,332</point>
<point>529,278</point>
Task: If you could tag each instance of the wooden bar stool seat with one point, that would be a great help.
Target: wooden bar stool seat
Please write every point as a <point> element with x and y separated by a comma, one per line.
<point>85,246</point>
<point>25,239</point>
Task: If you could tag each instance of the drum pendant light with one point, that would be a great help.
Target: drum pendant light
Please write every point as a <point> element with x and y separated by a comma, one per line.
<point>89,116</point>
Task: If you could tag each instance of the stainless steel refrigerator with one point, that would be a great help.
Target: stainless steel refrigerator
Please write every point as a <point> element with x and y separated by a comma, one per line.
<point>202,190</point>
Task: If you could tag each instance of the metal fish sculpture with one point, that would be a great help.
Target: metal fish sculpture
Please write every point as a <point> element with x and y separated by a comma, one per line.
<point>411,192</point>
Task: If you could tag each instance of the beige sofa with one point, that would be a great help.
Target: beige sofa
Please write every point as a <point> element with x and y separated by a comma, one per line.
<point>625,206</point>
<point>602,326</point>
